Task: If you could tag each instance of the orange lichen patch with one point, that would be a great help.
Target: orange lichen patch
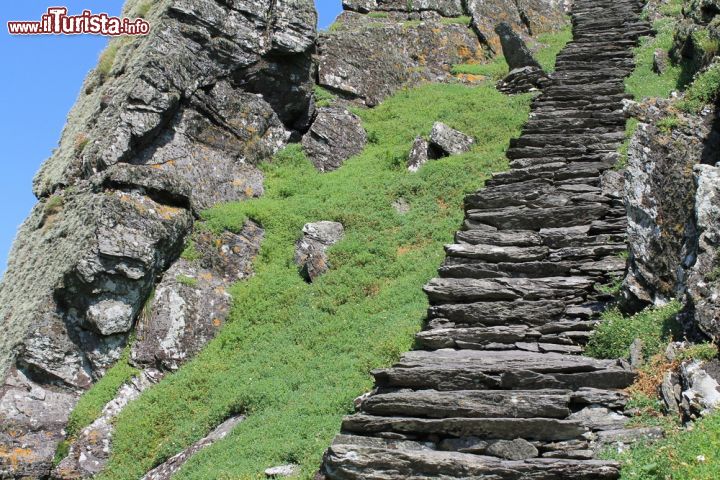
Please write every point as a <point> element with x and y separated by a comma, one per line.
<point>206,276</point>
<point>220,291</point>
<point>470,78</point>
<point>216,322</point>
<point>15,456</point>
<point>168,213</point>
<point>249,192</point>
<point>464,52</point>
<point>238,182</point>
<point>157,166</point>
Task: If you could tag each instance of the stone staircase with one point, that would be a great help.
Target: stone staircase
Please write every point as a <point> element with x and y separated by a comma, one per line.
<point>497,387</point>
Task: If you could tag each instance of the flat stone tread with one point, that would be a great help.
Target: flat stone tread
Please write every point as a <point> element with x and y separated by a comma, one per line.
<point>515,302</point>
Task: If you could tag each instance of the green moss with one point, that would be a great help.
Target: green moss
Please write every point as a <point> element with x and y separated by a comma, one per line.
<point>92,402</point>
<point>701,351</point>
<point>293,355</point>
<point>615,333</point>
<point>54,204</point>
<point>324,97</point>
<point>668,124</point>
<point>462,20</point>
<point>191,252</point>
<point>62,451</point>
<point>377,15</point>
<point>187,281</point>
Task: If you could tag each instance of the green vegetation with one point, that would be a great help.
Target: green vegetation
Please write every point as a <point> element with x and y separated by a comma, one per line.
<point>682,455</point>
<point>324,97</point>
<point>654,326</point>
<point>377,15</point>
<point>143,8</point>
<point>462,20</point>
<point>92,402</point>
<point>53,205</point>
<point>612,288</point>
<point>191,252</point>
<point>668,124</point>
<point>704,90</point>
<point>294,355</point>
<point>187,281</point>
<point>700,351</point>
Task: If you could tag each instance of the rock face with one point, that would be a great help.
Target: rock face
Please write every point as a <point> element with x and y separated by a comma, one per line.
<point>704,279</point>
<point>170,123</point>
<point>368,57</point>
<point>335,135</point>
<point>660,193</point>
<point>701,390</point>
<point>419,154</point>
<point>496,387</point>
<point>311,249</point>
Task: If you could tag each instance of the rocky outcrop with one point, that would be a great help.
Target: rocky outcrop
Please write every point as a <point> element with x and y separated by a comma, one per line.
<point>496,386</point>
<point>704,279</point>
<point>335,136</point>
<point>660,192</point>
<point>311,250</point>
<point>526,74</point>
<point>168,124</point>
<point>368,57</point>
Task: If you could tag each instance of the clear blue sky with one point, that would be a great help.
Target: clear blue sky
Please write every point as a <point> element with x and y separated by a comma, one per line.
<point>42,79</point>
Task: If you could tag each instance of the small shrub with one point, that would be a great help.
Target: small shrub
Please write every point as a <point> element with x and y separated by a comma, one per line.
<point>668,124</point>
<point>615,333</point>
<point>701,351</point>
<point>612,288</point>
<point>107,60</point>
<point>54,204</point>
<point>81,141</point>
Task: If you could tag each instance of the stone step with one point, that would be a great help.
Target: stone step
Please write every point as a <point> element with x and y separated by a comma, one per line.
<point>499,313</point>
<point>519,218</point>
<point>364,458</point>
<point>460,290</point>
<point>470,404</point>
<point>541,429</point>
<point>509,337</point>
<point>449,370</point>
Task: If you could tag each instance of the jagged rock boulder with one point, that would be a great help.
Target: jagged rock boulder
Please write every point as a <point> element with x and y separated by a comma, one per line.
<point>517,449</point>
<point>170,123</point>
<point>419,154</point>
<point>335,135</point>
<point>311,249</point>
<point>446,141</point>
<point>367,59</point>
<point>704,280</point>
<point>517,55</point>
<point>446,8</point>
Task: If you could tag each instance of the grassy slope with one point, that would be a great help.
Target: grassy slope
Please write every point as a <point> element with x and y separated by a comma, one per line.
<point>294,355</point>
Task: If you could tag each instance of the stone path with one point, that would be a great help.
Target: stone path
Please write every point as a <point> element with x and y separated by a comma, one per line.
<point>497,387</point>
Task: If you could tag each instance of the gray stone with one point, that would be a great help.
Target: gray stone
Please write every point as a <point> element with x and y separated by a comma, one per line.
<point>636,353</point>
<point>447,141</point>
<point>517,54</point>
<point>671,393</point>
<point>517,449</point>
<point>523,80</point>
<point>311,249</point>
<point>419,154</point>
<point>701,390</point>
<point>335,135</point>
<point>401,206</point>
<point>282,471</point>
<point>661,61</point>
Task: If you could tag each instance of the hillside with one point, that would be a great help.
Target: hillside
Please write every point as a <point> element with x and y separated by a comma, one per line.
<point>231,265</point>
